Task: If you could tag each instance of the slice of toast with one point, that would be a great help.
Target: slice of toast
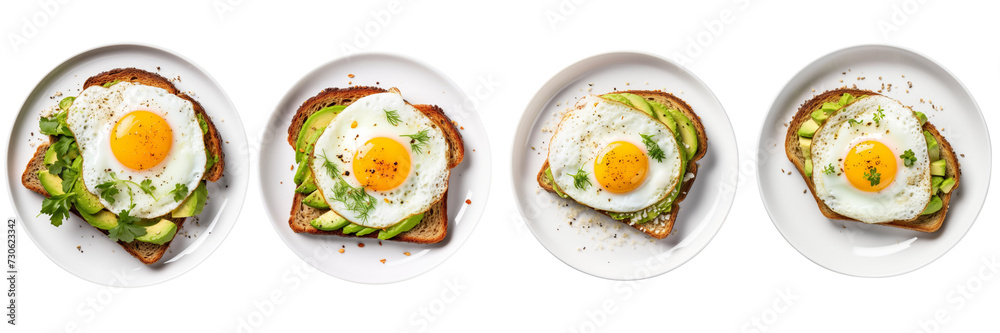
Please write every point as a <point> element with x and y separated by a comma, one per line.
<point>924,223</point>
<point>147,253</point>
<point>660,226</point>
<point>434,225</point>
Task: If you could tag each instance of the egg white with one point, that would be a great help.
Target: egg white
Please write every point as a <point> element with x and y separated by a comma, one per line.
<point>593,124</point>
<point>899,130</point>
<point>92,117</point>
<point>428,177</point>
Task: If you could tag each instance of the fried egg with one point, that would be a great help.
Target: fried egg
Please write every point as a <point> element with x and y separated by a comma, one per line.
<point>600,156</point>
<point>380,161</point>
<point>858,170</point>
<point>130,133</point>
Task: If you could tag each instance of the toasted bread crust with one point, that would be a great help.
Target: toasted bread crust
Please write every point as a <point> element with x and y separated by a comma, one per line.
<point>661,226</point>
<point>147,253</point>
<point>434,225</point>
<point>923,223</point>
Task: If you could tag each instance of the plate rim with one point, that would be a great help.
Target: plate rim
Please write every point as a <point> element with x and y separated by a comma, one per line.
<point>524,125</point>
<point>840,53</point>
<point>275,114</point>
<point>110,47</point>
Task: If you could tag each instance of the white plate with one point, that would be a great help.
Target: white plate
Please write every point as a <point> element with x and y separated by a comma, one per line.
<point>870,250</point>
<point>100,260</point>
<point>419,84</point>
<point>631,254</point>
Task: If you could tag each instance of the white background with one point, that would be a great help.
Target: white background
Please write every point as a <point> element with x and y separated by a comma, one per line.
<point>502,279</point>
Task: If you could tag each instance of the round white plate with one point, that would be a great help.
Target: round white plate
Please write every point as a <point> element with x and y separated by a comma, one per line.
<point>419,84</point>
<point>596,244</point>
<point>98,259</point>
<point>859,249</point>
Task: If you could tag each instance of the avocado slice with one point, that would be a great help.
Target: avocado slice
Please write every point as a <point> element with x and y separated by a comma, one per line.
<point>50,155</point>
<point>689,135</point>
<point>808,128</point>
<point>921,116</point>
<point>366,231</point>
<point>312,128</point>
<point>302,172</point>
<point>352,228</point>
<point>947,185</point>
<point>308,185</point>
<point>65,103</point>
<point>316,200</point>
<point>933,206</point>
<point>102,219</point>
<point>401,227</point>
<point>548,175</point>
<point>617,98</point>
<point>159,233</point>
<point>820,116</point>
<point>939,168</point>
<point>663,114</point>
<point>193,204</point>
<point>830,108</point>
<point>808,167</point>
<point>933,150</point>
<point>639,103</point>
<point>329,221</point>
<point>86,202</point>
<point>805,144</point>
<point>936,184</point>
<point>846,99</point>
<point>51,183</point>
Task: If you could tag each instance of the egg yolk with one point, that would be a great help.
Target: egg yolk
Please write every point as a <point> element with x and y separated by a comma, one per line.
<point>381,164</point>
<point>141,140</point>
<point>870,166</point>
<point>621,167</point>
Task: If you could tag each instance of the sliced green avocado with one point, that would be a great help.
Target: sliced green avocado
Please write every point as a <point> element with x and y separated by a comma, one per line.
<point>159,233</point>
<point>329,221</point>
<point>933,206</point>
<point>939,168</point>
<point>51,183</point>
<point>830,108</point>
<point>933,150</point>
<point>805,144</point>
<point>65,103</point>
<point>193,204</point>
<point>846,99</point>
<point>316,200</point>
<point>50,156</point>
<point>689,135</point>
<point>548,175</point>
<point>311,129</point>
<point>921,116</point>
<point>663,114</point>
<point>302,172</point>
<point>809,167</point>
<point>401,227</point>
<point>617,98</point>
<point>936,184</point>
<point>86,202</point>
<point>366,231</point>
<point>820,116</point>
<point>102,219</point>
<point>808,128</point>
<point>308,185</point>
<point>352,228</point>
<point>639,103</point>
<point>947,185</point>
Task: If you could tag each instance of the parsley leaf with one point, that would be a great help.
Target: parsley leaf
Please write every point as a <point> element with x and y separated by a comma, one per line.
<point>57,207</point>
<point>580,179</point>
<point>908,157</point>
<point>392,116</point>
<point>69,177</point>
<point>654,150</point>
<point>108,190</point>
<point>126,230</point>
<point>419,140</point>
<point>829,169</point>
<point>180,192</point>
<point>55,125</point>
<point>878,115</point>
<point>147,187</point>
<point>873,176</point>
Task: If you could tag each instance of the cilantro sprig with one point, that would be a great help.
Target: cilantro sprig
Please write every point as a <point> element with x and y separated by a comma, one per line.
<point>908,157</point>
<point>356,199</point>
<point>126,230</point>
<point>392,116</point>
<point>419,140</point>
<point>581,179</point>
<point>109,189</point>
<point>57,207</point>
<point>873,177</point>
<point>654,150</point>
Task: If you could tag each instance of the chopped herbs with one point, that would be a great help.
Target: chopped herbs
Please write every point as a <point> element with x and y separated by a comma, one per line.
<point>419,140</point>
<point>392,116</point>
<point>908,157</point>
<point>873,176</point>
<point>581,180</point>
<point>654,150</point>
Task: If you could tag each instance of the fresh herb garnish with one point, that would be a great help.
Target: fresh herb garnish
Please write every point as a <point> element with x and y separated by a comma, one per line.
<point>418,141</point>
<point>356,199</point>
<point>873,176</point>
<point>829,169</point>
<point>126,230</point>
<point>392,116</point>
<point>654,150</point>
<point>109,84</point>
<point>57,206</point>
<point>180,192</point>
<point>878,115</point>
<point>54,125</point>
<point>908,157</point>
<point>109,189</point>
<point>62,148</point>
<point>855,122</point>
<point>147,187</point>
<point>580,179</point>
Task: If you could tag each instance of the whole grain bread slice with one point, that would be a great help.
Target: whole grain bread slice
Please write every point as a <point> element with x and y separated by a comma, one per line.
<point>661,226</point>
<point>147,253</point>
<point>434,226</point>
<point>924,223</point>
